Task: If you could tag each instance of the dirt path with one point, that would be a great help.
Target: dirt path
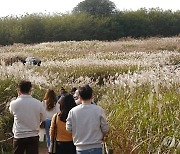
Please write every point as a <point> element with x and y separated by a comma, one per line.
<point>43,148</point>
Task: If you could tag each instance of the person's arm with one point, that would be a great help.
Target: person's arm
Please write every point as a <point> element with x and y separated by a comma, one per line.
<point>51,130</point>
<point>57,108</point>
<point>42,113</point>
<point>103,123</point>
<point>11,108</point>
<point>69,122</point>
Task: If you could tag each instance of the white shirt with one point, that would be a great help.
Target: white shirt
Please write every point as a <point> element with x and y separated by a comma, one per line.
<point>28,112</point>
<point>50,113</point>
<point>87,122</point>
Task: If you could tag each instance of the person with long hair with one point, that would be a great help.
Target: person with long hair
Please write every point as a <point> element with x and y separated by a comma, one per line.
<point>64,141</point>
<point>51,107</point>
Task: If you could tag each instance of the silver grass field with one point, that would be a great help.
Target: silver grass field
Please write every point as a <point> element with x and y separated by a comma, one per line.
<point>137,82</point>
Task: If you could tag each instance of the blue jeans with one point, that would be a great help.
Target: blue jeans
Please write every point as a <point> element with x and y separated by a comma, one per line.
<point>47,127</point>
<point>90,151</point>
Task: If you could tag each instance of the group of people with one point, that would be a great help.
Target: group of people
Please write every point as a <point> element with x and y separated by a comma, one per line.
<point>78,125</point>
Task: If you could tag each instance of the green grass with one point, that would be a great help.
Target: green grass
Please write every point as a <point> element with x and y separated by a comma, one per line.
<point>136,125</point>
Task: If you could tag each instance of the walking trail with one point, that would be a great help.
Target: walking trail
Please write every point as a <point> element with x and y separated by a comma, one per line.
<point>43,148</point>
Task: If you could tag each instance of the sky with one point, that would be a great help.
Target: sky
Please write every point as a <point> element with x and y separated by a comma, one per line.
<point>21,7</point>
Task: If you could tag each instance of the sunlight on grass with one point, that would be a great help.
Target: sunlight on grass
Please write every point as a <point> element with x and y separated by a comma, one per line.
<point>136,82</point>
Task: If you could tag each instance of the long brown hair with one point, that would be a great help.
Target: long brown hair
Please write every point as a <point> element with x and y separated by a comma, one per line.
<point>50,99</point>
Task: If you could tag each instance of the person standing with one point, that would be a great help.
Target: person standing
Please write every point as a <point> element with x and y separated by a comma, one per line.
<point>51,107</point>
<point>62,93</point>
<point>88,124</point>
<point>76,97</point>
<point>73,89</point>
<point>64,142</point>
<point>28,112</point>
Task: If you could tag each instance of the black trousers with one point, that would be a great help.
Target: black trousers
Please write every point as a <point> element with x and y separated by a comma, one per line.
<point>65,147</point>
<point>28,145</point>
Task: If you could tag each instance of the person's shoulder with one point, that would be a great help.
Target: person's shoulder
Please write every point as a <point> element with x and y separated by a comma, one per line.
<point>76,108</point>
<point>97,107</point>
<point>13,102</point>
<point>56,114</point>
<point>37,101</point>
<point>43,102</point>
<point>58,96</point>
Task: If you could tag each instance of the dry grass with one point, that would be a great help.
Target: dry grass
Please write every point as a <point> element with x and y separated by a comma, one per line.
<point>136,81</point>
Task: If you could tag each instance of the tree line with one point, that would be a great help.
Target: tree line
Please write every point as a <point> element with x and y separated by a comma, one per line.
<point>36,28</point>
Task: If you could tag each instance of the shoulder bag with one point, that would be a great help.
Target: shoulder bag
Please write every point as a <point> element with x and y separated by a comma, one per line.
<point>52,148</point>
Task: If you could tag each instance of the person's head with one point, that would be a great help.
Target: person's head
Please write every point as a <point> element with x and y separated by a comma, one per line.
<point>77,98</point>
<point>50,99</point>
<point>67,102</point>
<point>85,92</point>
<point>24,87</point>
<point>63,91</point>
<point>76,94</point>
<point>73,90</point>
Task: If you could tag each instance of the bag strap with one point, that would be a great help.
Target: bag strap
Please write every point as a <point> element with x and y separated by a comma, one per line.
<point>55,130</point>
<point>55,126</point>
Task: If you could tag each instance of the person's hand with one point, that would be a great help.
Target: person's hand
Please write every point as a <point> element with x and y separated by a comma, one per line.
<point>104,137</point>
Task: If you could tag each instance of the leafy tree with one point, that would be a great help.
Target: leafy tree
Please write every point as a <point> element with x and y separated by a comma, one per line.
<point>99,25</point>
<point>96,7</point>
<point>32,29</point>
<point>136,23</point>
<point>5,32</point>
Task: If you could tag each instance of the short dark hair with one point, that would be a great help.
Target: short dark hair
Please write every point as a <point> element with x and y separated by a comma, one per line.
<point>67,102</point>
<point>85,92</point>
<point>25,86</point>
<point>73,89</point>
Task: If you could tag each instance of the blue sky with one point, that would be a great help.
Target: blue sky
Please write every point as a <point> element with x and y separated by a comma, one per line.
<point>20,7</point>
